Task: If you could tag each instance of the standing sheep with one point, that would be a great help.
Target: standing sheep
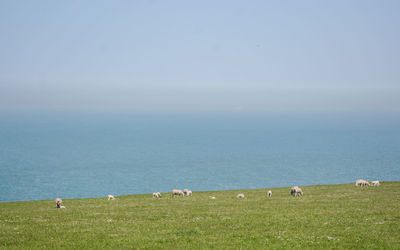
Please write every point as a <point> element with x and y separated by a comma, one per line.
<point>362,183</point>
<point>177,192</point>
<point>296,191</point>
<point>269,193</point>
<point>240,196</point>
<point>111,197</point>
<point>157,195</point>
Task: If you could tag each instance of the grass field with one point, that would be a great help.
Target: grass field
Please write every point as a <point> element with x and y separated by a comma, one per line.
<point>328,216</point>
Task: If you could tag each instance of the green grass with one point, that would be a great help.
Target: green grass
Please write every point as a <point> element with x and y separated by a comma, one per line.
<point>329,216</point>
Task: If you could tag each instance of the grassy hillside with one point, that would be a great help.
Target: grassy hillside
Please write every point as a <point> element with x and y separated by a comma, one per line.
<point>330,216</point>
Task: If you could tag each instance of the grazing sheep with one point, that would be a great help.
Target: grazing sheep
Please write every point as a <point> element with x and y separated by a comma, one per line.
<point>187,192</point>
<point>365,183</point>
<point>296,191</point>
<point>177,192</point>
<point>240,196</point>
<point>111,197</point>
<point>212,197</point>
<point>362,183</point>
<point>157,195</point>
<point>58,203</point>
<point>375,183</point>
<point>269,193</point>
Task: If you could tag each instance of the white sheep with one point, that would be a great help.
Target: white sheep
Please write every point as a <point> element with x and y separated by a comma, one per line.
<point>111,197</point>
<point>58,202</point>
<point>296,191</point>
<point>212,197</point>
<point>362,183</point>
<point>157,195</point>
<point>293,190</point>
<point>189,193</point>
<point>177,192</point>
<point>375,183</point>
<point>269,193</point>
<point>240,196</point>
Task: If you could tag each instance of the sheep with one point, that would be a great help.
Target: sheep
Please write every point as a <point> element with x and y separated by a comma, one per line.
<point>375,183</point>
<point>58,202</point>
<point>177,192</point>
<point>212,197</point>
<point>365,183</point>
<point>269,193</point>
<point>362,183</point>
<point>62,207</point>
<point>157,195</point>
<point>111,197</point>
<point>296,191</point>
<point>240,196</point>
<point>187,192</point>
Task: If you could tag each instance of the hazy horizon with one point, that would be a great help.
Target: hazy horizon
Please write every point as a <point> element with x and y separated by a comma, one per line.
<point>225,56</point>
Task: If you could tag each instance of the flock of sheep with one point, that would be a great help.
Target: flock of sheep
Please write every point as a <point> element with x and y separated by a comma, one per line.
<point>294,191</point>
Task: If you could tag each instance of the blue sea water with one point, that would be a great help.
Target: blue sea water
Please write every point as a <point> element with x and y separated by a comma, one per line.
<point>49,155</point>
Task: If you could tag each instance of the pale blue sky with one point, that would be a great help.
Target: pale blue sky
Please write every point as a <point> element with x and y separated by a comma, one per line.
<point>200,56</point>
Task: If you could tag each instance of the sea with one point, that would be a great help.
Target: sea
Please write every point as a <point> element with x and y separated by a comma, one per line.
<point>45,155</point>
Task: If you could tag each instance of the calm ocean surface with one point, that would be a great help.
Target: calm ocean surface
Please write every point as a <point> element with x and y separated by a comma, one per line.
<point>44,156</point>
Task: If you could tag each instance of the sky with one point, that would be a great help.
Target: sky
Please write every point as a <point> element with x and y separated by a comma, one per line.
<point>241,56</point>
